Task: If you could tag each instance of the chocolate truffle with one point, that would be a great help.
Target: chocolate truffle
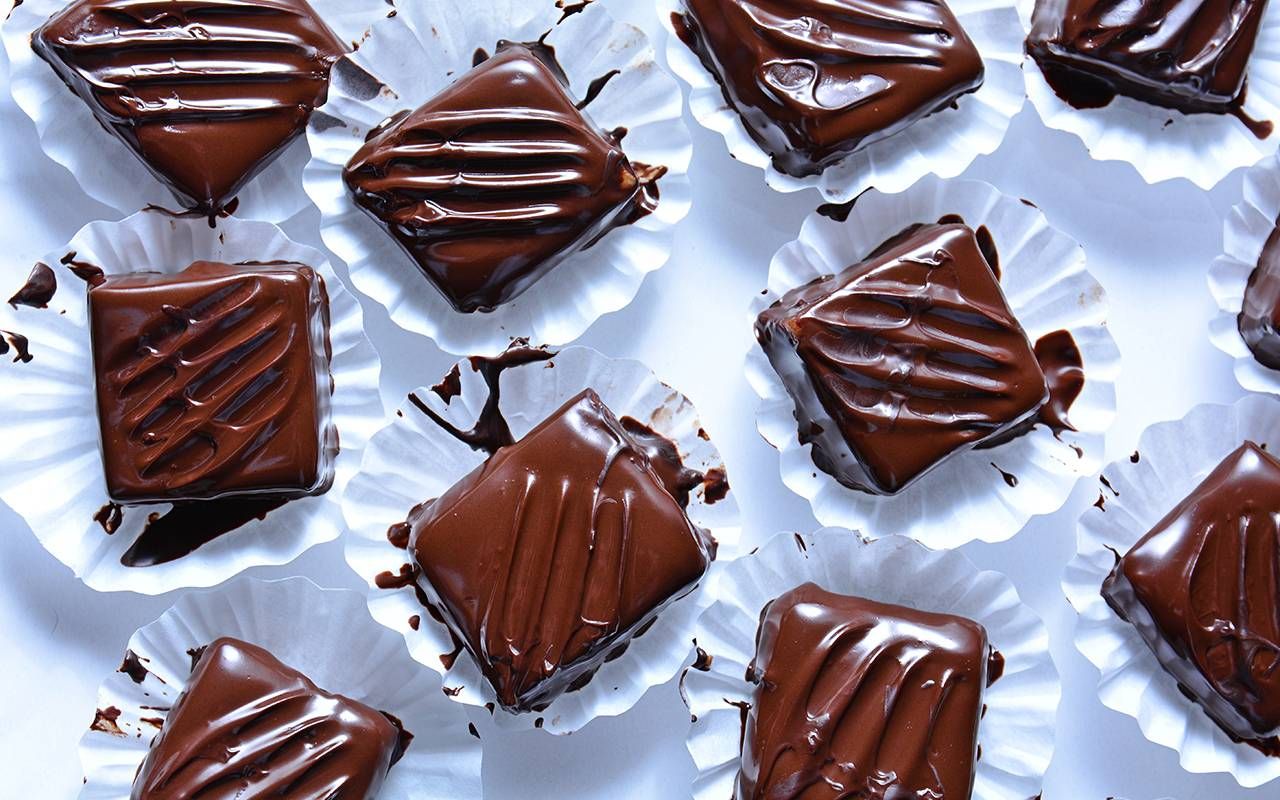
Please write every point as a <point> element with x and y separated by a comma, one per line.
<point>248,726</point>
<point>1202,588</point>
<point>496,180</point>
<point>206,92</point>
<point>856,698</point>
<point>814,80</point>
<point>1188,55</point>
<point>554,553</point>
<point>903,359</point>
<point>1259,319</point>
<point>213,381</point>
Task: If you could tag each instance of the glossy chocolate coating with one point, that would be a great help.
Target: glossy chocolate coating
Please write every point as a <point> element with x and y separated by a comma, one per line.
<point>1259,320</point>
<point>857,699</point>
<point>249,727</point>
<point>903,359</point>
<point>814,80</point>
<point>213,381</point>
<point>1189,55</point>
<point>496,180</point>
<point>548,558</point>
<point>1203,590</point>
<point>206,92</point>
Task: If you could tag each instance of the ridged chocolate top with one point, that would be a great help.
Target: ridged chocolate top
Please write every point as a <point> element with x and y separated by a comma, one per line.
<point>551,555</point>
<point>1203,589</point>
<point>250,728</point>
<point>816,79</point>
<point>496,180</point>
<point>213,381</point>
<point>913,354</point>
<point>206,92</point>
<point>859,699</point>
<point>1189,55</point>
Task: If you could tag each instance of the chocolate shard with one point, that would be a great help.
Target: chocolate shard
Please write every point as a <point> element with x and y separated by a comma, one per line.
<point>1202,588</point>
<point>248,726</point>
<point>206,92</point>
<point>903,359</point>
<point>815,80</point>
<point>856,698</point>
<point>1189,55</point>
<point>553,554</point>
<point>213,382</point>
<point>1259,319</point>
<point>496,180</point>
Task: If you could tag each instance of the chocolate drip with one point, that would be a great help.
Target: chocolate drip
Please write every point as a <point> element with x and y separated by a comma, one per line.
<point>110,516</point>
<point>20,345</point>
<point>89,273</point>
<point>188,526</point>
<point>38,290</point>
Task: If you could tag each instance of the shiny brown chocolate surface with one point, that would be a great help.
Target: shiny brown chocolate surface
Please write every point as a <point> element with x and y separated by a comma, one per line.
<point>206,92</point>
<point>814,80</point>
<point>1259,320</point>
<point>859,699</point>
<point>496,180</point>
<point>1189,55</point>
<point>548,558</point>
<point>1203,590</point>
<point>213,381</point>
<point>249,727</point>
<point>903,359</point>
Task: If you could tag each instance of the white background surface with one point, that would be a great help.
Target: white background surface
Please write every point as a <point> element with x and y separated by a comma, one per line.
<point>1149,245</point>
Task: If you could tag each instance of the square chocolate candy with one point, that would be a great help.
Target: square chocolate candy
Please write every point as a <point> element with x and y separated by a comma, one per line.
<point>876,699</point>
<point>496,180</point>
<point>1203,590</point>
<point>553,554</point>
<point>815,80</point>
<point>903,359</point>
<point>249,726</point>
<point>213,381</point>
<point>1189,55</point>
<point>206,92</point>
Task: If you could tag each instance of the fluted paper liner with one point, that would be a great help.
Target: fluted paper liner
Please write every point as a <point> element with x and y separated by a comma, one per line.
<point>327,635</point>
<point>966,497</point>
<point>107,169</point>
<point>1161,143</point>
<point>1173,458</point>
<point>944,143</point>
<point>1016,732</point>
<point>1245,233</point>
<point>412,460</point>
<point>413,56</point>
<point>49,434</point>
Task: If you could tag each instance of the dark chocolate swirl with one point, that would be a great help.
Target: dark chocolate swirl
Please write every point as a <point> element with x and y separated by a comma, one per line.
<point>206,92</point>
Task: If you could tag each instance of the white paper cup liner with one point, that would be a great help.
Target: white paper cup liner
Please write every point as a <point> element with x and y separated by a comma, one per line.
<point>1246,231</point>
<point>105,167</point>
<point>49,434</point>
<point>421,51</point>
<point>1163,144</point>
<point>1016,732</point>
<point>944,144</point>
<point>1173,458</point>
<point>327,635</point>
<point>412,460</point>
<point>966,497</point>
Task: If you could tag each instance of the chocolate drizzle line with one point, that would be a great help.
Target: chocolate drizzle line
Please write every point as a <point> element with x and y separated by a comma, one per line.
<point>38,290</point>
<point>133,667</point>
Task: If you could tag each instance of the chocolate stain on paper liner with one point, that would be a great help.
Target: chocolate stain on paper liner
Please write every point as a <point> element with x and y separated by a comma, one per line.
<point>188,525</point>
<point>19,344</point>
<point>38,290</point>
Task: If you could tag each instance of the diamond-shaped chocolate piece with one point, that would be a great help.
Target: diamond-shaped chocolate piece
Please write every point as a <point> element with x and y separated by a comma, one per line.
<point>213,381</point>
<point>248,726</point>
<point>815,80</point>
<point>903,359</point>
<point>496,180</point>
<point>1203,590</point>
<point>856,698</point>
<point>1188,55</point>
<point>206,92</point>
<point>549,557</point>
